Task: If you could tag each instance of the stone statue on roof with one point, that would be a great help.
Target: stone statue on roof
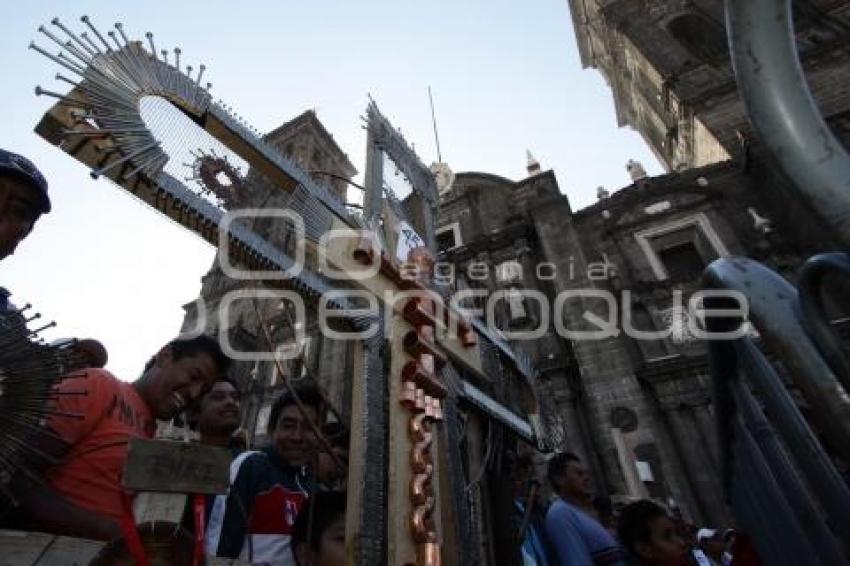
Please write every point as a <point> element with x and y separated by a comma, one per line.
<point>636,170</point>
<point>443,176</point>
<point>532,165</point>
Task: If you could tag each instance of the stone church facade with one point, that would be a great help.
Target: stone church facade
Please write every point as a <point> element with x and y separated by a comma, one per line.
<point>637,410</point>
<point>667,64</point>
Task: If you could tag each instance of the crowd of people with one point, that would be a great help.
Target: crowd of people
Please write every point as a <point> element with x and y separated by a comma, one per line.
<point>282,506</point>
<point>577,528</point>
<point>286,502</point>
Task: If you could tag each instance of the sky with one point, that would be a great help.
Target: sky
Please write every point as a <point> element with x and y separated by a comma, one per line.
<point>505,77</point>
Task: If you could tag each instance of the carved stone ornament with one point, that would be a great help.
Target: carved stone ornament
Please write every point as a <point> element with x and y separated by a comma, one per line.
<point>443,175</point>
<point>636,170</point>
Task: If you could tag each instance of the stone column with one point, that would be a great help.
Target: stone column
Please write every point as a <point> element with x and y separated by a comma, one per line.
<point>699,468</point>
<point>634,485</point>
<point>564,399</point>
<point>708,432</point>
<point>607,373</point>
<point>678,482</point>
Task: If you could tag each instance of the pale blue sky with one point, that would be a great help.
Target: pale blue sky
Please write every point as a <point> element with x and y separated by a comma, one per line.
<point>505,76</point>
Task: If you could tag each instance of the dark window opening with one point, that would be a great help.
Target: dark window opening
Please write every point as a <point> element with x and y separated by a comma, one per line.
<point>446,241</point>
<point>683,262</point>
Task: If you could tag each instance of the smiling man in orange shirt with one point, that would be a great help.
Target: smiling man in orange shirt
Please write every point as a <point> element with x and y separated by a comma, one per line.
<point>83,496</point>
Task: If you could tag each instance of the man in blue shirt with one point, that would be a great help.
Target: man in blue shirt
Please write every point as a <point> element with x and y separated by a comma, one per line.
<point>577,538</point>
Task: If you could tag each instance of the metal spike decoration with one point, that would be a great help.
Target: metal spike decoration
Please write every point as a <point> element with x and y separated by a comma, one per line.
<point>100,122</point>
<point>116,73</point>
<point>107,100</point>
<point>113,79</point>
<point>29,369</point>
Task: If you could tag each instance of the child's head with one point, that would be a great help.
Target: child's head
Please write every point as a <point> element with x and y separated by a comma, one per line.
<point>648,533</point>
<point>318,536</point>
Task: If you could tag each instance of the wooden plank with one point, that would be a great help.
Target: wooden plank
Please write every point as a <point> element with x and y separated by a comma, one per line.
<point>340,256</point>
<point>150,506</point>
<point>26,548</point>
<point>246,151</point>
<point>70,551</point>
<point>176,467</point>
<point>21,547</point>
<point>401,549</point>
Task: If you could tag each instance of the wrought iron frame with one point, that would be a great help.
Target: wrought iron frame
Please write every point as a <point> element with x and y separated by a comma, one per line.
<point>383,138</point>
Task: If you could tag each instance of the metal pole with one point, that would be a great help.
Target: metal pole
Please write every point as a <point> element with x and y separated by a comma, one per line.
<point>434,121</point>
<point>792,487</point>
<point>373,199</point>
<point>763,508</point>
<point>782,110</point>
<point>813,309</point>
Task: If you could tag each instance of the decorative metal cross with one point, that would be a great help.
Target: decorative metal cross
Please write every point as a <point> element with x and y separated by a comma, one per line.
<point>100,122</point>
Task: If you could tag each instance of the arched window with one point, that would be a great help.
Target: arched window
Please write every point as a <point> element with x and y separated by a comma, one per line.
<point>703,38</point>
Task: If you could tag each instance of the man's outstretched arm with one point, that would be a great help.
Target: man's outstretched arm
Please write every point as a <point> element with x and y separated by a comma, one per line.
<point>43,509</point>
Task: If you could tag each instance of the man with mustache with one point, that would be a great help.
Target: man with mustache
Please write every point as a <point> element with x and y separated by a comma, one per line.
<point>95,417</point>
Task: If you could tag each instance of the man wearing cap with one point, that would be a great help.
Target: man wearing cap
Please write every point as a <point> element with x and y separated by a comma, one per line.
<point>23,198</point>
